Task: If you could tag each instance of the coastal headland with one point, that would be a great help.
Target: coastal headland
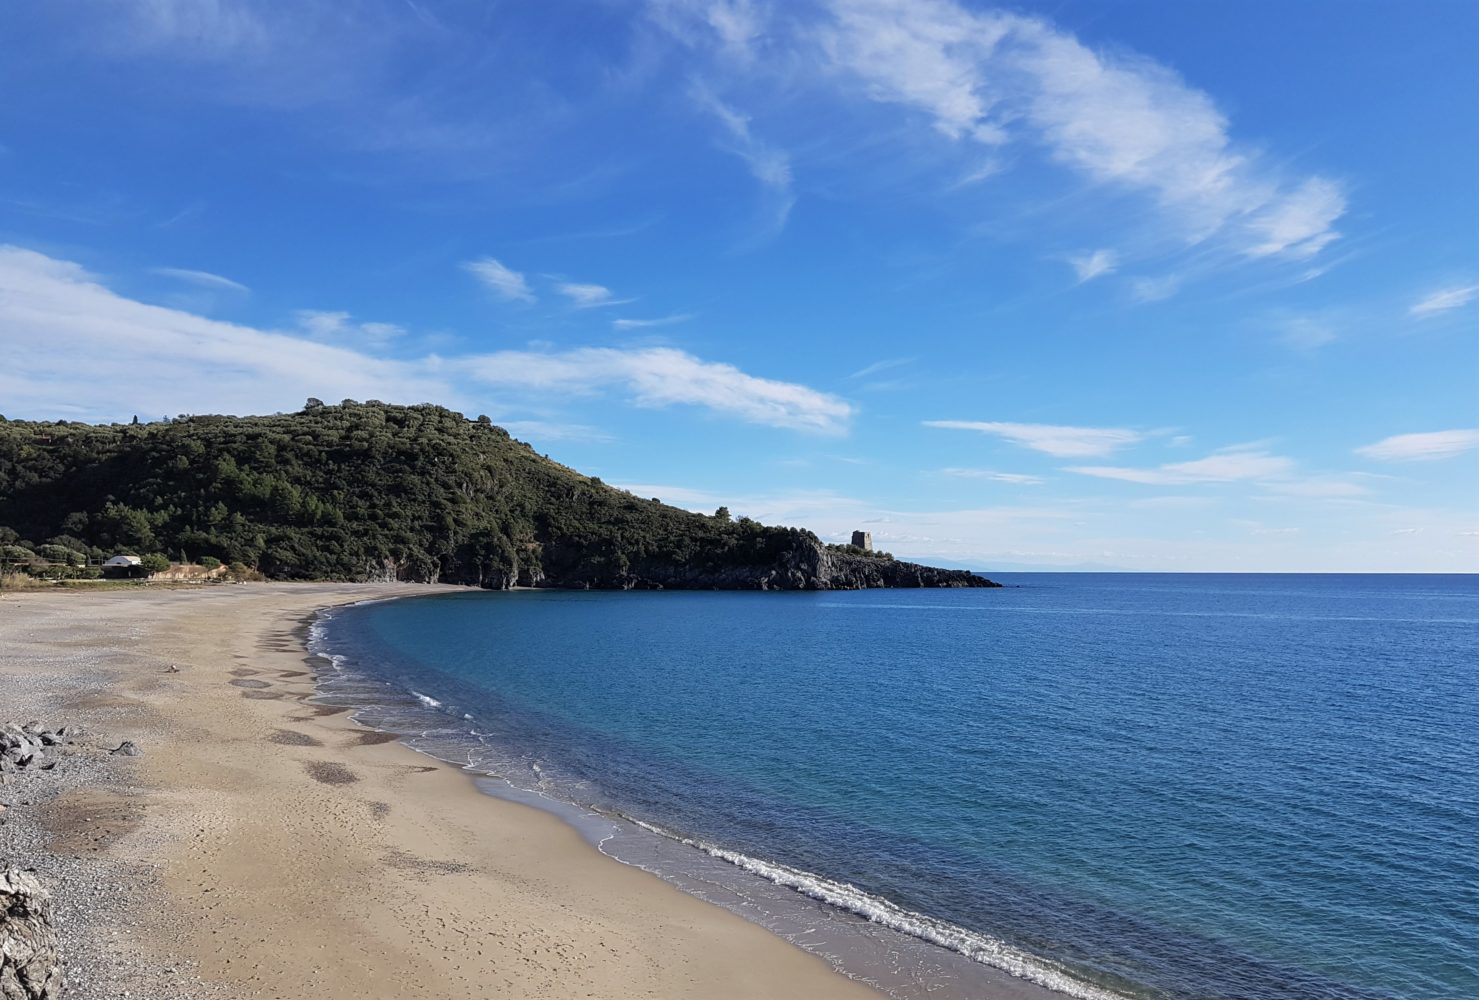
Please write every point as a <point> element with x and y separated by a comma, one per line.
<point>264,845</point>
<point>373,492</point>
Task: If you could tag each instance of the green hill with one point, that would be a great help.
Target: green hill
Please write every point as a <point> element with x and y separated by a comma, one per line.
<point>367,491</point>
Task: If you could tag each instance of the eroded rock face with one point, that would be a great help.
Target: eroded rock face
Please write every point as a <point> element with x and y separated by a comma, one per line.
<point>801,564</point>
<point>30,968</point>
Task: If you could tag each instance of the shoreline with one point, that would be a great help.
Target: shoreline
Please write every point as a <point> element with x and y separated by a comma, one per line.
<point>900,953</point>
<point>373,873</point>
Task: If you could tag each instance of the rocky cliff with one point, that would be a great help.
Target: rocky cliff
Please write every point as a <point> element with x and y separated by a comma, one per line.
<point>806,564</point>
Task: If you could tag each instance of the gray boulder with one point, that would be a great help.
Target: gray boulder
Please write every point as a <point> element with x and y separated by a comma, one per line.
<point>30,968</point>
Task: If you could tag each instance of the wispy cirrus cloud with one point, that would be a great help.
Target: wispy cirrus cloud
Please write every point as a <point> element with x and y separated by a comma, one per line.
<point>767,164</point>
<point>1444,300</point>
<point>645,324</point>
<point>550,430</point>
<point>734,26</point>
<point>1424,447</point>
<point>1013,478</point>
<point>881,366</point>
<point>663,376</point>
<point>61,327</point>
<point>503,280</point>
<point>328,325</point>
<point>1089,266</point>
<point>1220,467</point>
<point>586,296</point>
<point>991,77</point>
<point>1052,439</point>
<point>202,279</point>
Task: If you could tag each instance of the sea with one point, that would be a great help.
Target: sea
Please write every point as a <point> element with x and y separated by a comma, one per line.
<point>1108,786</point>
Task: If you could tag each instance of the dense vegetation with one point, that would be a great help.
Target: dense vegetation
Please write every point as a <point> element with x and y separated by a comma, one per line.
<point>363,491</point>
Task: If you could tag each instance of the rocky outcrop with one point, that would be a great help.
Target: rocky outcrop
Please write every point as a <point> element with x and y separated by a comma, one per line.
<point>803,564</point>
<point>29,966</point>
<point>28,746</point>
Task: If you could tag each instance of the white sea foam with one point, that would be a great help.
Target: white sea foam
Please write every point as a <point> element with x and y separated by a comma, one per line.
<point>976,946</point>
<point>427,700</point>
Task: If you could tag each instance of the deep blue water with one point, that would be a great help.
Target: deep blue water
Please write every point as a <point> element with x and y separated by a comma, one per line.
<point>1153,785</point>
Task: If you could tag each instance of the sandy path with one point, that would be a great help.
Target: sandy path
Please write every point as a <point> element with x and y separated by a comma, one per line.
<point>301,857</point>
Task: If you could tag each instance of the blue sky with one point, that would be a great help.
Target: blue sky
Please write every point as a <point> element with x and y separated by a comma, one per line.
<point>1142,284</point>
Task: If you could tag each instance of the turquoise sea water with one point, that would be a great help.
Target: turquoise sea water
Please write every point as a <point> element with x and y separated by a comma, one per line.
<point>1117,785</point>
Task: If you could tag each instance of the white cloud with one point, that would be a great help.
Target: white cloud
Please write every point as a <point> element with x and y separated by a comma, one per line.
<point>1442,301</point>
<point>663,376</point>
<point>768,165</point>
<point>881,366</point>
<point>1092,265</point>
<point>74,348</point>
<point>588,296</point>
<point>1299,224</point>
<point>1015,478</point>
<point>1219,467</point>
<point>989,77</point>
<point>203,279</point>
<point>1052,439</point>
<point>506,282</point>
<point>735,25</point>
<point>1422,447</point>
<point>338,326</point>
<point>548,430</point>
<point>644,324</point>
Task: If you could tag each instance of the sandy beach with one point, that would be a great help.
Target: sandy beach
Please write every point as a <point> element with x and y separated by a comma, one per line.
<point>265,846</point>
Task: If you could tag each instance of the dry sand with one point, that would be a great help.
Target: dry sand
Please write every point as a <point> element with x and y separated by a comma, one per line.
<point>278,850</point>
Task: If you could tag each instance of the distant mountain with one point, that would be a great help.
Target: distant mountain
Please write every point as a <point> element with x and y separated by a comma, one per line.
<point>367,491</point>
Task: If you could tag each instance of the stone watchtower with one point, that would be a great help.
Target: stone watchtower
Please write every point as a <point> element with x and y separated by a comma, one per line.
<point>863,540</point>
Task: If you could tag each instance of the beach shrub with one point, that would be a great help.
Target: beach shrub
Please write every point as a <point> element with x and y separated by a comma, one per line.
<point>154,562</point>
<point>54,553</point>
<point>17,555</point>
<point>210,562</point>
